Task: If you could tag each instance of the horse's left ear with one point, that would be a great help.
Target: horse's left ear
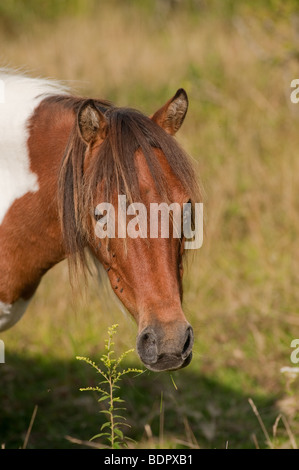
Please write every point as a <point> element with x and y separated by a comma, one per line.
<point>91,122</point>
<point>171,116</point>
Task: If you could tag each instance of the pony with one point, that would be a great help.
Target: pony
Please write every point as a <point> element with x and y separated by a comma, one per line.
<point>61,155</point>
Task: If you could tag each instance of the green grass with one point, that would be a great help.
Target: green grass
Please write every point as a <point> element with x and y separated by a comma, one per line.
<point>221,413</point>
<point>236,60</point>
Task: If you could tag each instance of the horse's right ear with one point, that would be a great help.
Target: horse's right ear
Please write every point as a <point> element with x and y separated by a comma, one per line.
<point>92,123</point>
<point>171,116</point>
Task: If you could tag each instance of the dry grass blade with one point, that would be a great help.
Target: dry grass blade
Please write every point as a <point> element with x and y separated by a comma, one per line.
<point>30,427</point>
<point>81,442</point>
<point>255,410</point>
<point>192,441</point>
<point>187,444</point>
<point>161,424</point>
<point>253,437</point>
<point>288,429</point>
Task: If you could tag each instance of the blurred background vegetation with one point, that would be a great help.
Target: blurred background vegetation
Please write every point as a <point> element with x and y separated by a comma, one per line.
<point>236,60</point>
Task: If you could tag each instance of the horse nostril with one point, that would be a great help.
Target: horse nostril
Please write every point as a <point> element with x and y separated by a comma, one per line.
<point>188,343</point>
<point>147,346</point>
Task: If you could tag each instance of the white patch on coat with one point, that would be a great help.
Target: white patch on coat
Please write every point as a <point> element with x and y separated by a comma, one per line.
<point>11,313</point>
<point>21,96</point>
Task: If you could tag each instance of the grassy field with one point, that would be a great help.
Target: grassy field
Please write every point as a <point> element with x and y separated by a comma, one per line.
<point>236,61</point>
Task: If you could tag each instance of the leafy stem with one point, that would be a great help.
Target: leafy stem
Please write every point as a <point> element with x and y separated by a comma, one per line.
<point>107,387</point>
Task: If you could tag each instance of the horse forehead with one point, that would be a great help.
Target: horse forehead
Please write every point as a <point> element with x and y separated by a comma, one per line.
<point>146,180</point>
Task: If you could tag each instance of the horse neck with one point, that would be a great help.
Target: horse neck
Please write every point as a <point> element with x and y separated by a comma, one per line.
<point>30,235</point>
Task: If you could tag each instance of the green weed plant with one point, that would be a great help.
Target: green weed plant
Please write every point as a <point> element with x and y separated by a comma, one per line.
<point>107,388</point>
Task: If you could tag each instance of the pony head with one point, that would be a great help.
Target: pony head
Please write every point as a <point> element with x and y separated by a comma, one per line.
<point>120,167</point>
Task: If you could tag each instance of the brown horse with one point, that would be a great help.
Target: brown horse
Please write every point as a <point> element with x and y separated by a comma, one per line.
<point>60,157</point>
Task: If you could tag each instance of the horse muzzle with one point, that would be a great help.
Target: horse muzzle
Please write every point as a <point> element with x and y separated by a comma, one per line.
<point>162,349</point>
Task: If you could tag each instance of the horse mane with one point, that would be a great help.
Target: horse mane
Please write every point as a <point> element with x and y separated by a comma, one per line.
<point>114,168</point>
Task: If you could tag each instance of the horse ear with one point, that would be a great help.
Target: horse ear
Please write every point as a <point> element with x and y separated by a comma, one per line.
<point>91,122</point>
<point>171,116</point>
